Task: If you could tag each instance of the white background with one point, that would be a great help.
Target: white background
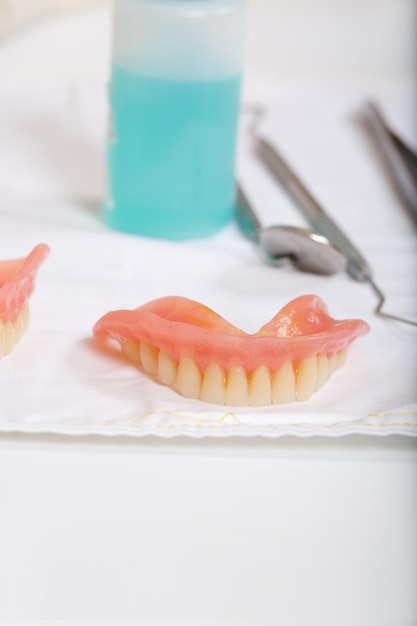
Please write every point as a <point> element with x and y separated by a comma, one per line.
<point>292,531</point>
<point>337,39</point>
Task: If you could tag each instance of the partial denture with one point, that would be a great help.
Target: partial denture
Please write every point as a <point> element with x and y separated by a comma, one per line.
<point>17,281</point>
<point>189,347</point>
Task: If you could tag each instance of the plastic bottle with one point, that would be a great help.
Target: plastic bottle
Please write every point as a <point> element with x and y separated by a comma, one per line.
<point>174,100</point>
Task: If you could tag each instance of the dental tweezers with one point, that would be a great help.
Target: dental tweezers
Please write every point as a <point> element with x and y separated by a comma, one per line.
<point>400,159</point>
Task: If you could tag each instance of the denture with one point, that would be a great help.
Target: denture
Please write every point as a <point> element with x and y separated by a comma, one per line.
<point>17,282</point>
<point>189,347</point>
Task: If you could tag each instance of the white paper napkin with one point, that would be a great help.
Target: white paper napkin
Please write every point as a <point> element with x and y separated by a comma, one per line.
<point>51,180</point>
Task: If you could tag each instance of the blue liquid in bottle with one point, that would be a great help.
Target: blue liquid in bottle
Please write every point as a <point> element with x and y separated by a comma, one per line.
<point>172,154</point>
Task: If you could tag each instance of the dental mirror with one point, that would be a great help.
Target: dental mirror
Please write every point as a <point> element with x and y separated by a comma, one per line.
<point>306,250</point>
<point>279,245</point>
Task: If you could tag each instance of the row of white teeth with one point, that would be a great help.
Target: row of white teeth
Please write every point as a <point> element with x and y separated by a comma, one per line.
<point>11,332</point>
<point>234,387</point>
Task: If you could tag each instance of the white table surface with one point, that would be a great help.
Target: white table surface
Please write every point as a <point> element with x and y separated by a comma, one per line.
<point>287,531</point>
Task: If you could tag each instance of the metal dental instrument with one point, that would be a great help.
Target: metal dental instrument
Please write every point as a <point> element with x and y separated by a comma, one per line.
<point>357,267</point>
<point>399,157</point>
<point>302,248</point>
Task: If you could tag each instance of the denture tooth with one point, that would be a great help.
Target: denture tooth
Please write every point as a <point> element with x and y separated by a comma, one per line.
<point>188,378</point>
<point>17,325</point>
<point>341,358</point>
<point>2,339</point>
<point>260,387</point>
<point>236,393</point>
<point>167,368</point>
<point>11,332</point>
<point>306,378</point>
<point>131,349</point>
<point>148,357</point>
<point>213,385</point>
<point>24,315</point>
<point>283,384</point>
<point>332,363</point>
<point>10,338</point>
<point>322,370</point>
<point>21,322</point>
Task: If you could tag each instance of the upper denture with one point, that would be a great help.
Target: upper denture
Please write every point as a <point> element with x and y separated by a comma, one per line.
<point>17,281</point>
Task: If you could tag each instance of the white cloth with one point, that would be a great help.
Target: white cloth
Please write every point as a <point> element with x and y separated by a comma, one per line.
<point>51,183</point>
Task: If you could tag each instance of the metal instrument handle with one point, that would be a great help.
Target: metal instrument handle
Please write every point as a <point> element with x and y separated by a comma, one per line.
<point>357,266</point>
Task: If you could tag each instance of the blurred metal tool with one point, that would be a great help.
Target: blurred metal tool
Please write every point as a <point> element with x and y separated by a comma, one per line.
<point>399,157</point>
<point>279,245</point>
<point>357,267</point>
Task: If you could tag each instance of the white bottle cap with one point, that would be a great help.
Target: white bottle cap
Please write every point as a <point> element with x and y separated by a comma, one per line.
<point>179,39</point>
